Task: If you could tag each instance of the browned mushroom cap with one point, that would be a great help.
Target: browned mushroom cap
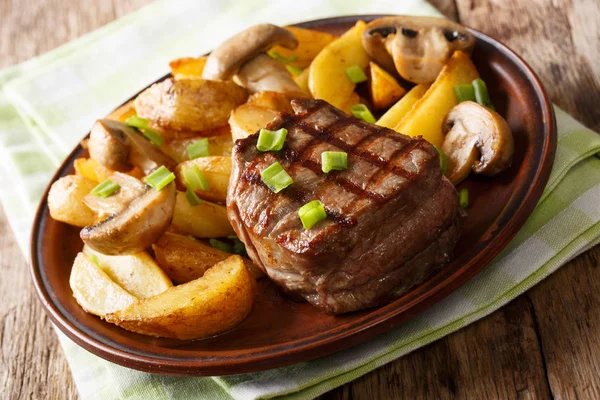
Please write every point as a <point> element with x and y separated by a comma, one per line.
<point>226,59</point>
<point>136,227</point>
<point>264,73</point>
<point>477,139</point>
<point>120,147</point>
<point>416,47</point>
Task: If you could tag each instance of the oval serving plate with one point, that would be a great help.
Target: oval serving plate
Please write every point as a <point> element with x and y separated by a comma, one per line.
<point>279,332</point>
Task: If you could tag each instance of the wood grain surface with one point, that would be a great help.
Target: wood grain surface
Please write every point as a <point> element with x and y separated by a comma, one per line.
<point>544,344</point>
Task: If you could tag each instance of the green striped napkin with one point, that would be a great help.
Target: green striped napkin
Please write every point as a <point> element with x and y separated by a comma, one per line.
<point>46,105</point>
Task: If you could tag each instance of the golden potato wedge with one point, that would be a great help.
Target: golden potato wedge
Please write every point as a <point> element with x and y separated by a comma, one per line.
<point>394,115</point>
<point>426,116</point>
<point>90,169</point>
<point>247,119</point>
<point>271,100</point>
<point>184,258</point>
<point>385,89</point>
<point>220,145</point>
<point>189,105</point>
<point>216,170</point>
<point>122,113</point>
<point>310,43</point>
<point>137,273</point>
<point>93,289</point>
<point>188,67</point>
<point>206,220</point>
<point>302,81</point>
<point>212,304</point>
<point>65,200</point>
<point>327,76</point>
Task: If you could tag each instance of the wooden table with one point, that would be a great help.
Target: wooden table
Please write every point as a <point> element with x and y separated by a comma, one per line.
<point>545,343</point>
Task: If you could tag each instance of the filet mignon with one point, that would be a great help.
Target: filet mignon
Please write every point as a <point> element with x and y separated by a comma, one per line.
<point>393,218</point>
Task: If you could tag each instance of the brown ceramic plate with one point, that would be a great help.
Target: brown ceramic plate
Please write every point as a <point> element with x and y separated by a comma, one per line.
<point>280,332</point>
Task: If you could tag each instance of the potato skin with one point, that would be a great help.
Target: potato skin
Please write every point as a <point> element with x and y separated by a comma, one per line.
<point>65,200</point>
<point>215,303</point>
<point>216,170</point>
<point>189,104</point>
<point>206,220</point>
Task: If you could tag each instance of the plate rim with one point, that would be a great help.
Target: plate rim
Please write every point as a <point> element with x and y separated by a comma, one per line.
<point>380,321</point>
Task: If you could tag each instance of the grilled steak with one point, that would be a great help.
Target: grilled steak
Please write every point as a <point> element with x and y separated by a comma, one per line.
<point>393,218</point>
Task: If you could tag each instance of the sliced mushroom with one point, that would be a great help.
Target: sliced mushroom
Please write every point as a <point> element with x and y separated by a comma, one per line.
<point>416,47</point>
<point>130,188</point>
<point>136,227</point>
<point>477,139</point>
<point>120,147</point>
<point>245,55</point>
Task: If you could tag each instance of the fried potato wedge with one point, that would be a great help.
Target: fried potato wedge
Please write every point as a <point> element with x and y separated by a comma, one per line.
<point>426,116</point>
<point>247,119</point>
<point>327,76</point>
<point>220,145</point>
<point>212,304</point>
<point>122,113</point>
<point>385,89</point>
<point>302,80</point>
<point>93,289</point>
<point>188,67</point>
<point>189,105</point>
<point>184,258</point>
<point>90,169</point>
<point>216,170</point>
<point>398,111</point>
<point>137,273</point>
<point>206,220</point>
<point>310,43</point>
<point>65,200</point>
<point>272,100</point>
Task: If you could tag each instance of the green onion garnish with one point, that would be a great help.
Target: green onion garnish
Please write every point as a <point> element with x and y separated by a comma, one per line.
<point>281,58</point>
<point>275,177</point>
<point>356,74</point>
<point>271,140</point>
<point>334,160</point>
<point>239,248</point>
<point>94,259</point>
<point>192,197</point>
<point>194,178</point>
<point>142,125</point>
<point>105,189</point>
<point>293,70</point>
<point>464,92</point>
<point>361,111</point>
<point>218,244</point>
<point>198,149</point>
<point>137,122</point>
<point>463,198</point>
<point>311,213</point>
<point>443,159</point>
<point>481,93</point>
<point>160,178</point>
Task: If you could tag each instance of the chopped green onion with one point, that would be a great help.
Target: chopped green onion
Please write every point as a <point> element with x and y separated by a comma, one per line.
<point>464,92</point>
<point>142,125</point>
<point>160,178</point>
<point>443,159</point>
<point>281,58</point>
<point>194,178</point>
<point>293,70</point>
<point>137,122</point>
<point>481,93</point>
<point>334,160</point>
<point>239,248</point>
<point>463,198</point>
<point>271,140</point>
<point>275,177</point>
<point>361,111</point>
<point>94,259</point>
<point>356,74</point>
<point>218,244</point>
<point>233,237</point>
<point>198,149</point>
<point>105,189</point>
<point>192,197</point>
<point>311,213</point>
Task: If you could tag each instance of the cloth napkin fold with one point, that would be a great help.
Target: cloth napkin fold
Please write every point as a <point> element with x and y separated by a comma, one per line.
<point>47,103</point>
